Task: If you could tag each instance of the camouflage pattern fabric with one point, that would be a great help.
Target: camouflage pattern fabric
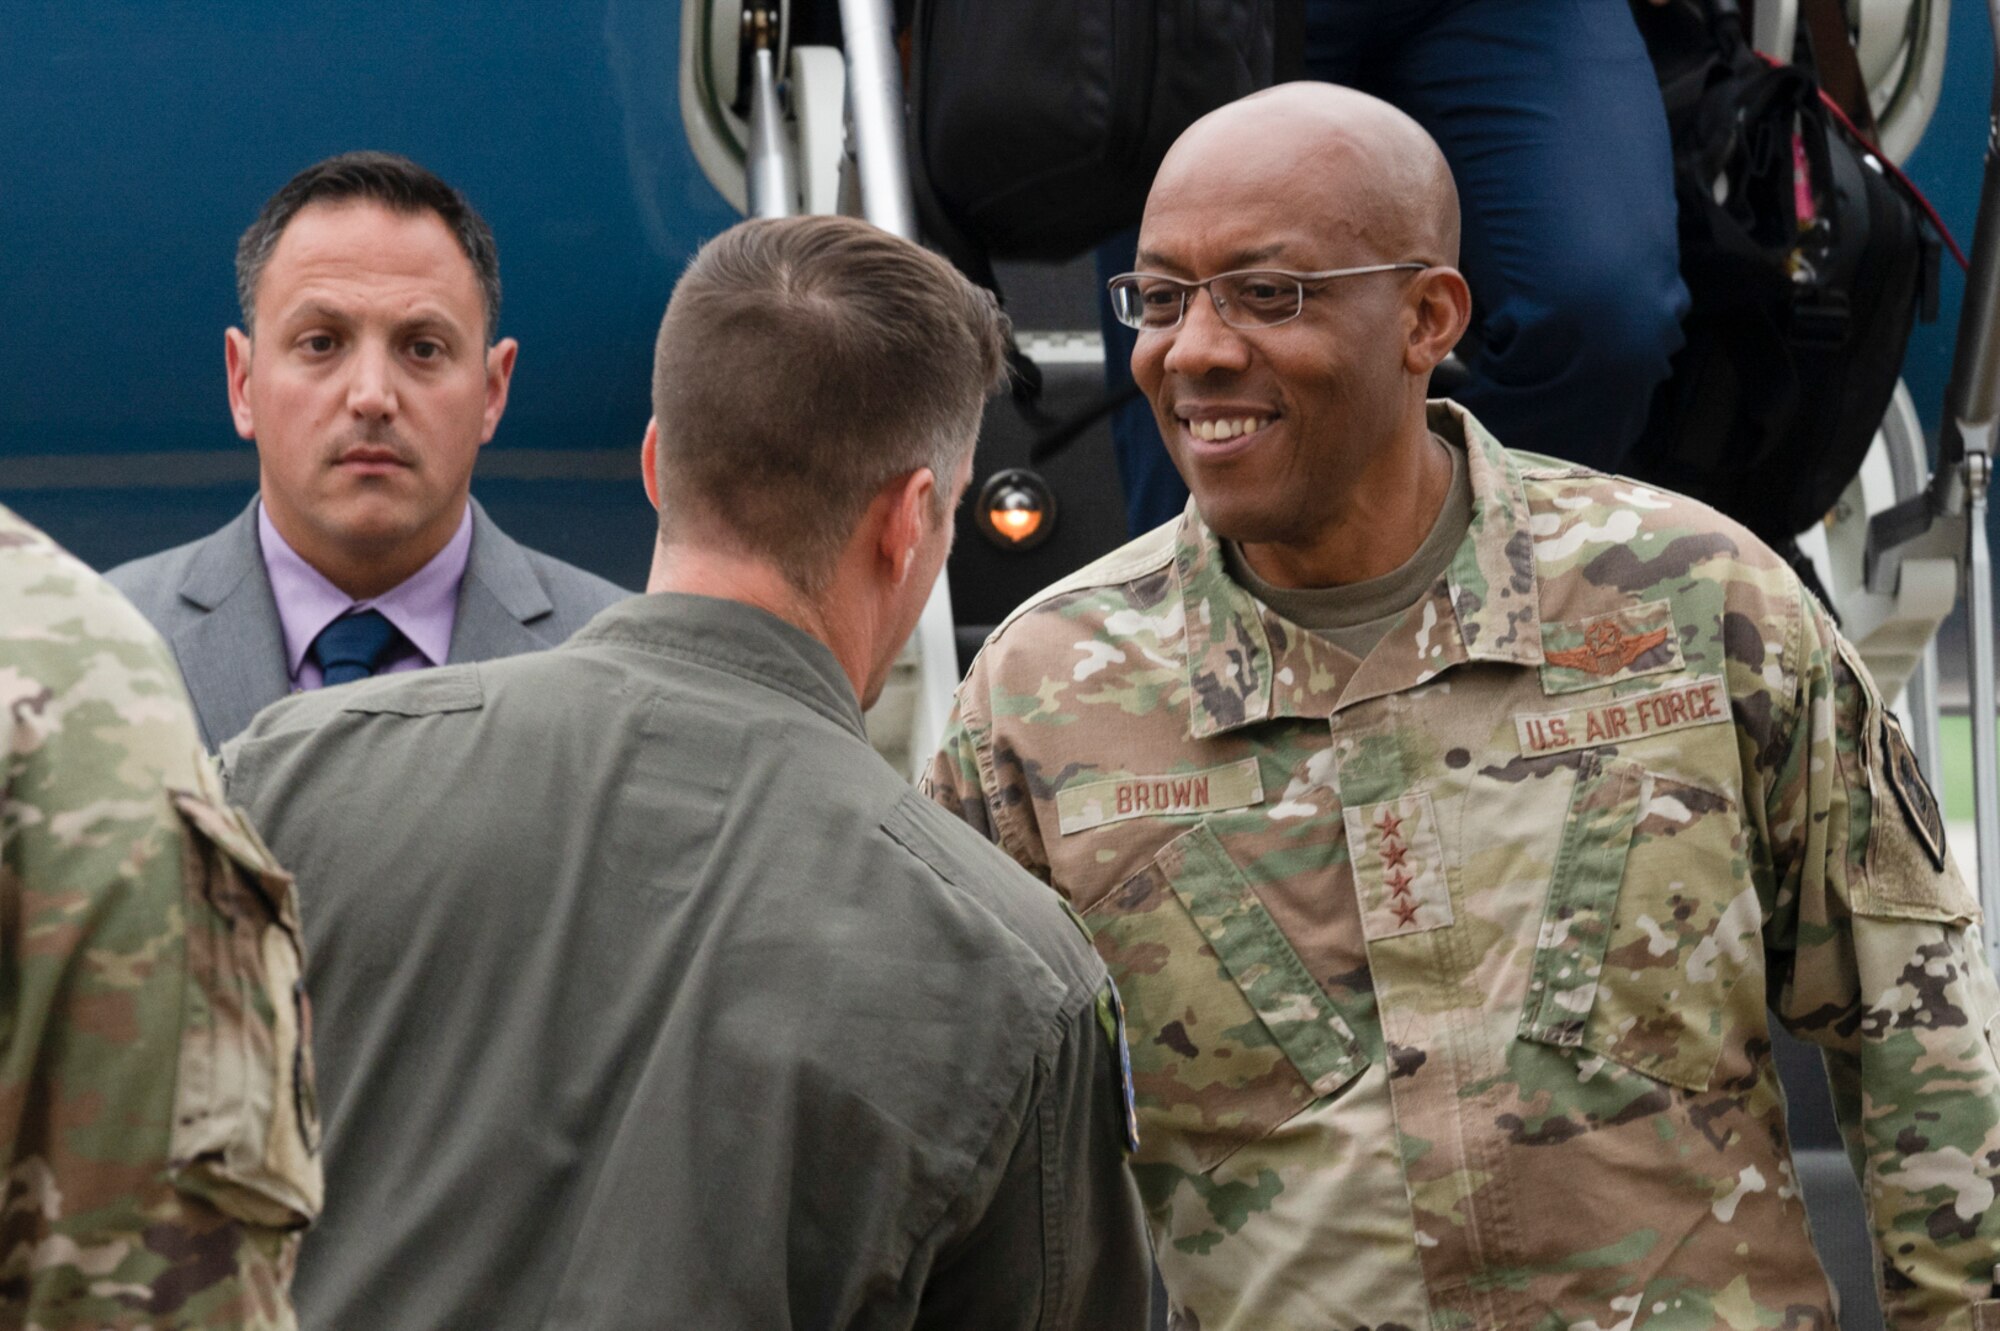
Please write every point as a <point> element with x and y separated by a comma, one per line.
<point>157,1128</point>
<point>1447,970</point>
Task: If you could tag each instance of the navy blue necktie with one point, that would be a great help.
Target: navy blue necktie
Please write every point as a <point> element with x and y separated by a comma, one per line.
<point>354,647</point>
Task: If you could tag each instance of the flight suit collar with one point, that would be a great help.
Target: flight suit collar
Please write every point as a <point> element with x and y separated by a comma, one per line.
<point>1246,663</point>
<point>737,639</point>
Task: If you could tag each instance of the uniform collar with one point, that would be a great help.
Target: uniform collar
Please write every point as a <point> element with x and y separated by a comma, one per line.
<point>1246,663</point>
<point>737,639</point>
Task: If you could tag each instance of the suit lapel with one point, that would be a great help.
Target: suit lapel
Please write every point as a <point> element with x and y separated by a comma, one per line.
<point>233,657</point>
<point>501,602</point>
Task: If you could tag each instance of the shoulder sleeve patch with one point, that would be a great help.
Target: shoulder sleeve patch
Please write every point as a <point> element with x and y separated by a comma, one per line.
<point>1111,1017</point>
<point>1913,793</point>
<point>1907,871</point>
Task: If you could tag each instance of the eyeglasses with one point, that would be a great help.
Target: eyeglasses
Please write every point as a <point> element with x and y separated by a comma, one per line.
<point>1247,298</point>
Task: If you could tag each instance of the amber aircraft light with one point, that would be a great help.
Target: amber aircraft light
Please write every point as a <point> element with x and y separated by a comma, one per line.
<point>1016,509</point>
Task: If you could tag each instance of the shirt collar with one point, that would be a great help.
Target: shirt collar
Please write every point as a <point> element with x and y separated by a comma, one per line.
<point>738,639</point>
<point>1246,663</point>
<point>423,607</point>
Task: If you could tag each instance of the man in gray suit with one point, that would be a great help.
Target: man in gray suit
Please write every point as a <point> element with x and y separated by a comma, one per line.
<point>369,374</point>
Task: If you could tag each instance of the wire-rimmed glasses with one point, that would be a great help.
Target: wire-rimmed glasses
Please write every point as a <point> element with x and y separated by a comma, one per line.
<point>1244,298</point>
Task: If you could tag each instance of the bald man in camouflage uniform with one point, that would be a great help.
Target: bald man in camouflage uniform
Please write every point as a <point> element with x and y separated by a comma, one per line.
<point>1448,817</point>
<point>156,1115</point>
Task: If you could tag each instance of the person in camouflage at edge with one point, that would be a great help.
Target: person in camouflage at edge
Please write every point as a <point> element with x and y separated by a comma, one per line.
<point>157,1127</point>
<point>1447,958</point>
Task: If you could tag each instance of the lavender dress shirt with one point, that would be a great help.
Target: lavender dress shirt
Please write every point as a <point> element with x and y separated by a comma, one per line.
<point>423,607</point>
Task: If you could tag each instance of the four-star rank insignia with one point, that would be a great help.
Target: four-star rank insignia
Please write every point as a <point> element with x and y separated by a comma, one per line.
<point>1920,806</point>
<point>1399,869</point>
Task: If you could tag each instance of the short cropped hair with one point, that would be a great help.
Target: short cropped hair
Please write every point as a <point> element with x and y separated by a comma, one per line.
<point>398,184</point>
<point>804,363</point>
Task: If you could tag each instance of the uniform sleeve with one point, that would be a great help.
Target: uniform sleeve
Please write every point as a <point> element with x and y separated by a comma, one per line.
<point>151,1055</point>
<point>1061,1245</point>
<point>988,792</point>
<point>953,782</point>
<point>1876,957</point>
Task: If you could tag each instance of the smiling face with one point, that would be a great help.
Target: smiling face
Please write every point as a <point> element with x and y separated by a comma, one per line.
<point>368,388</point>
<point>1275,429</point>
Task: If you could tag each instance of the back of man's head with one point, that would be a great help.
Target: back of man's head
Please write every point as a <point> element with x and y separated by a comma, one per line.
<point>803,363</point>
<point>395,183</point>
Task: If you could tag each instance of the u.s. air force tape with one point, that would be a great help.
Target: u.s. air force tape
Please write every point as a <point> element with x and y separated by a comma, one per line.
<point>1693,702</point>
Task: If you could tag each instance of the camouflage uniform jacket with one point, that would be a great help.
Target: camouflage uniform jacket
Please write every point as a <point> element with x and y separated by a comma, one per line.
<point>1447,970</point>
<point>155,1107</point>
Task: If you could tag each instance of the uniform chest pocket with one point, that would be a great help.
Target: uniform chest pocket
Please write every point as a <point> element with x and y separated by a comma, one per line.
<point>1651,918</point>
<point>1230,1034</point>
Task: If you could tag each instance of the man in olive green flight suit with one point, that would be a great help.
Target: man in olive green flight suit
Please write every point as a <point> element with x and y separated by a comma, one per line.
<point>1449,816</point>
<point>158,1131</point>
<point>648,994</point>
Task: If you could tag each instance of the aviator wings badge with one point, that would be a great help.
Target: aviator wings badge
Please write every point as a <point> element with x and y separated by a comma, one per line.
<point>1608,649</point>
<point>1590,653</point>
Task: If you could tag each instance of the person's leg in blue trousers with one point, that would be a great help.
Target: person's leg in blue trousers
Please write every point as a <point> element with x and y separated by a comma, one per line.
<point>1549,113</point>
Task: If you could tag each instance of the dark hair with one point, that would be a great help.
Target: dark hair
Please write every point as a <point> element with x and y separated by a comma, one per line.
<point>803,363</point>
<point>398,184</point>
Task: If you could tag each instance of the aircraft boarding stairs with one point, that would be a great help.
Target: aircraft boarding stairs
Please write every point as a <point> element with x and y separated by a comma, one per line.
<point>781,128</point>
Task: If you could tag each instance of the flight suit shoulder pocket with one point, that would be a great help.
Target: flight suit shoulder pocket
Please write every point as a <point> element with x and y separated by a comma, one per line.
<point>433,692</point>
<point>246,1118</point>
<point>1651,919</point>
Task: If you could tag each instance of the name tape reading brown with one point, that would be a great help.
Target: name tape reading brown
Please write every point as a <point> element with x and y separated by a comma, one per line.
<point>1096,803</point>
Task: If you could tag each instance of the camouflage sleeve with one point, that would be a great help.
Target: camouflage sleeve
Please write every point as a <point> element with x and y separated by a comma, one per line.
<point>952,780</point>
<point>151,1095</point>
<point>1876,957</point>
<point>962,778</point>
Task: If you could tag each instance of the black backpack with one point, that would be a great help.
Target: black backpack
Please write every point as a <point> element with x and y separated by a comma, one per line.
<point>1036,126</point>
<point>1796,333</point>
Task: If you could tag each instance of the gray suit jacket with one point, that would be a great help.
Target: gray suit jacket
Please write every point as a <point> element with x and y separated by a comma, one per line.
<point>211,600</point>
